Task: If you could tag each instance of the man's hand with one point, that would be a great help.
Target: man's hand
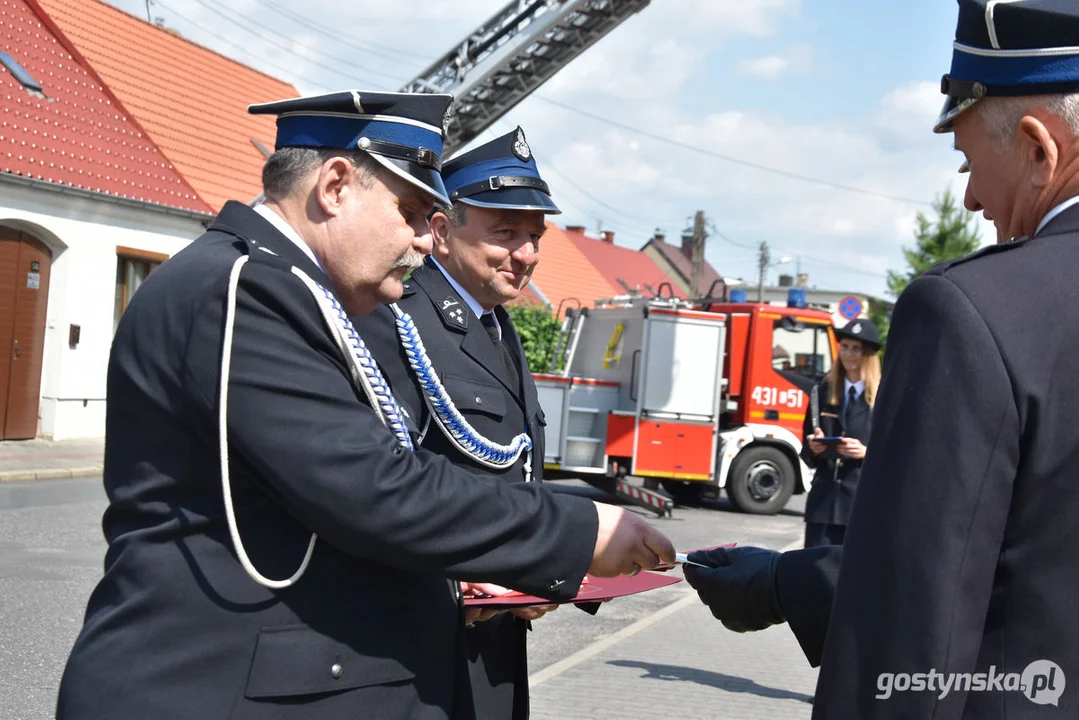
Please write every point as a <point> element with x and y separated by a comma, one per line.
<point>474,615</point>
<point>626,544</point>
<point>852,448</point>
<point>738,586</point>
<point>533,612</point>
<point>816,447</point>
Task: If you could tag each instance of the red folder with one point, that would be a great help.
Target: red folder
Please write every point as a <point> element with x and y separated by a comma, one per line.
<point>593,590</point>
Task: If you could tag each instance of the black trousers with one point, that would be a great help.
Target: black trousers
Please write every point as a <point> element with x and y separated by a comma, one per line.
<point>824,534</point>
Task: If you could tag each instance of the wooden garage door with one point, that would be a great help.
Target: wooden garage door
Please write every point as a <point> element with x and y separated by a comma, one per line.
<point>24,292</point>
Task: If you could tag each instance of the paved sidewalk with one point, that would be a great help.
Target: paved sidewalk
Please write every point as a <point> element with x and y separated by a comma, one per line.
<point>22,460</point>
<point>680,663</point>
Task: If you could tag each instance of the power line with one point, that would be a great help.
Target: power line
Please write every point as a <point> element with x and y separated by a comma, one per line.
<point>728,158</point>
<point>641,222</point>
<point>335,34</point>
<point>230,44</point>
<point>244,26</point>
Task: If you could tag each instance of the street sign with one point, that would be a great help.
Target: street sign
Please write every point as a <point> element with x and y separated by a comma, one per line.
<point>850,307</point>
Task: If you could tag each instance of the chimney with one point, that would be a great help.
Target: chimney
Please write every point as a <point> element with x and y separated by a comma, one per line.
<point>687,244</point>
<point>607,236</point>
<point>803,280</point>
<point>659,236</point>
<point>579,229</point>
<point>786,281</point>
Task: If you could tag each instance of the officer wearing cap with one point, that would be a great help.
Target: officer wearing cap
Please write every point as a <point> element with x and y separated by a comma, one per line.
<point>277,546</point>
<point>486,245</point>
<point>840,406</point>
<point>961,550</point>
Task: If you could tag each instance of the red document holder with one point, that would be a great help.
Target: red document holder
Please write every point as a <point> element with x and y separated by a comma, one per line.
<point>595,590</point>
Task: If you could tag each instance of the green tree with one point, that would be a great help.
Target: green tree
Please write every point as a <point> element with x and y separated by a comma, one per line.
<point>538,328</point>
<point>950,235</point>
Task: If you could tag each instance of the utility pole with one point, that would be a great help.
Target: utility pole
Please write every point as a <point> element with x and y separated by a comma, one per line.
<point>762,263</point>
<point>697,256</point>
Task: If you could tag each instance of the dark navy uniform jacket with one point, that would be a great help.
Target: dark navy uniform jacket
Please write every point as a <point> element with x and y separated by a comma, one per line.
<point>962,549</point>
<point>176,628</point>
<point>835,477</point>
<point>475,376</point>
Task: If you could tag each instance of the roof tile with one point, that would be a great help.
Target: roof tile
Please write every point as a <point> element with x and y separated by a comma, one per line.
<point>76,134</point>
<point>191,100</point>
<point>620,263</point>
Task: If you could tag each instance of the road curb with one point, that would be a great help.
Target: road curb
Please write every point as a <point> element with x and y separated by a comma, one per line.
<point>49,473</point>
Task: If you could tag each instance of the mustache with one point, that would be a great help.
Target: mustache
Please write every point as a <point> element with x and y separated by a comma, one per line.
<point>410,260</point>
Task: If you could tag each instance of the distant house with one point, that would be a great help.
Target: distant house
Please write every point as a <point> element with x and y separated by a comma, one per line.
<point>630,272</point>
<point>120,141</point>
<point>565,277</point>
<point>676,262</point>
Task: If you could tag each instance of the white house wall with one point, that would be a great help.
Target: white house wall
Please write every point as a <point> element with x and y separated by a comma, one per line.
<point>83,235</point>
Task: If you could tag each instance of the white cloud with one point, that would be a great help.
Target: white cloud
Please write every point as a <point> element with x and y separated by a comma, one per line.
<point>766,67</point>
<point>796,58</point>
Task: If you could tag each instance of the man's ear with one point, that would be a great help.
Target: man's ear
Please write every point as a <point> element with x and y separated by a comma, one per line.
<point>440,234</point>
<point>336,178</point>
<point>1040,150</point>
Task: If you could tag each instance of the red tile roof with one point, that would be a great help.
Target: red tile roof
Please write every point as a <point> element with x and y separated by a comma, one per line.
<point>78,134</point>
<point>620,263</point>
<point>564,273</point>
<point>684,267</point>
<point>191,100</point>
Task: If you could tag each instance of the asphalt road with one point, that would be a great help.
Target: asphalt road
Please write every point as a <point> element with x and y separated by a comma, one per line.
<point>51,551</point>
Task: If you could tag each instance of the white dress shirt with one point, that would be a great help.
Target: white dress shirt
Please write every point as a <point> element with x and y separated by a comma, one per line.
<point>472,302</point>
<point>859,388</point>
<point>287,230</point>
<point>1056,211</point>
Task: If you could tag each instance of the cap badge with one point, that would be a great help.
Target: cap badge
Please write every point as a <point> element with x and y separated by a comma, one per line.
<point>446,119</point>
<point>520,146</point>
<point>857,329</point>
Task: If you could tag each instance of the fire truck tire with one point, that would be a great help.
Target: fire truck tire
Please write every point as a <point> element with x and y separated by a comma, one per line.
<point>683,492</point>
<point>761,480</point>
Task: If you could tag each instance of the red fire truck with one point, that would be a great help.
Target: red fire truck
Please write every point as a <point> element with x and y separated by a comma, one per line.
<point>697,396</point>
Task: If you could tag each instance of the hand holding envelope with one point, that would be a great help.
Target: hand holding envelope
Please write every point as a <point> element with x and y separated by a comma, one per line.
<point>626,544</point>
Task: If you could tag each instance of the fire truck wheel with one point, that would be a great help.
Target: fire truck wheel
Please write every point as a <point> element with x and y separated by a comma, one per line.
<point>761,480</point>
<point>684,493</point>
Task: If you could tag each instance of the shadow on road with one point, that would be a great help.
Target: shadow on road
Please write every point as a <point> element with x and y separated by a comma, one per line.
<point>730,683</point>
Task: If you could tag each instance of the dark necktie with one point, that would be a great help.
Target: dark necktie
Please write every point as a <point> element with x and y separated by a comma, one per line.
<point>491,325</point>
<point>852,395</point>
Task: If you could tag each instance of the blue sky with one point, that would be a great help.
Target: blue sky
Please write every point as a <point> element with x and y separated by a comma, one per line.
<point>842,91</point>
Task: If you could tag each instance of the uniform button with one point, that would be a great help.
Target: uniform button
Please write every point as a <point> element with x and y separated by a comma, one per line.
<point>337,671</point>
<point>479,400</point>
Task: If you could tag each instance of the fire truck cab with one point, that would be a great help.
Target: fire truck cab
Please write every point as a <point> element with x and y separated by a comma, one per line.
<point>697,396</point>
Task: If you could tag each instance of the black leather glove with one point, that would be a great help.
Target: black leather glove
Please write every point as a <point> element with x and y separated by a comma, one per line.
<point>739,586</point>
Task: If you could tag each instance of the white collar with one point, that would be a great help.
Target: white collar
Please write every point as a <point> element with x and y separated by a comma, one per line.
<point>287,230</point>
<point>859,387</point>
<point>472,302</point>
<point>1056,211</point>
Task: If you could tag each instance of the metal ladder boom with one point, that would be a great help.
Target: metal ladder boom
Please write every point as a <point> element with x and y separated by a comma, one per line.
<point>511,55</point>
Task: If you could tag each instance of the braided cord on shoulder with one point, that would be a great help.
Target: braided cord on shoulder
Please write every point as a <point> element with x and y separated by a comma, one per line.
<point>454,426</point>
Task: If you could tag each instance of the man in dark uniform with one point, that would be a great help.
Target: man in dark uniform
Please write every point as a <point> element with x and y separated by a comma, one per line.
<point>276,549</point>
<point>486,245</point>
<point>960,557</point>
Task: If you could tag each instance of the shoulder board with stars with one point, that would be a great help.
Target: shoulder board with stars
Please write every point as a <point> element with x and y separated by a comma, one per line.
<point>454,311</point>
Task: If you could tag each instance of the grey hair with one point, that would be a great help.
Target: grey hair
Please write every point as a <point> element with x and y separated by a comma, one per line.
<point>457,213</point>
<point>285,169</point>
<point>1000,116</point>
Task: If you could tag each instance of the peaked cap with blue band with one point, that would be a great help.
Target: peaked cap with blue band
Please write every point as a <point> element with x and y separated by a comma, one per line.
<point>401,131</point>
<point>499,174</point>
<point>1008,48</point>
